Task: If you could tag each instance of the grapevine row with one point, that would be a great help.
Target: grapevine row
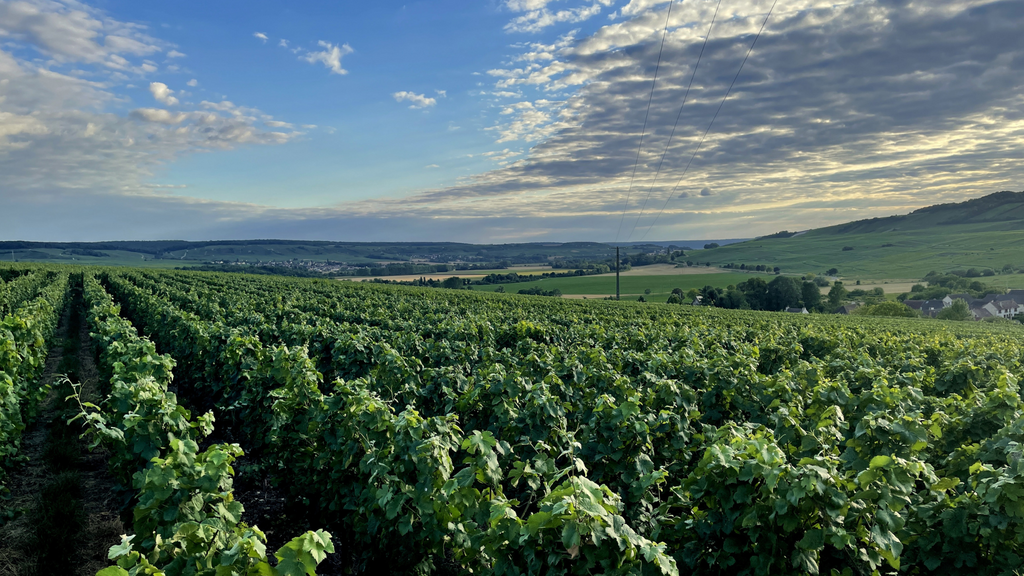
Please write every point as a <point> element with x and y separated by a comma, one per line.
<point>186,520</point>
<point>741,442</point>
<point>25,333</point>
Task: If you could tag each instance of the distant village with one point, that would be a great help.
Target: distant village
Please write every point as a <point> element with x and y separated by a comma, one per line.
<point>989,306</point>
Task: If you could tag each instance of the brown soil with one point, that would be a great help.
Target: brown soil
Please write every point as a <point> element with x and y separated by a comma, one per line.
<point>103,526</point>
<point>99,489</point>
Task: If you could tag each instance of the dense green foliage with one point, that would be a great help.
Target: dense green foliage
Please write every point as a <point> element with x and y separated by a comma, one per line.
<point>889,309</point>
<point>33,302</point>
<point>186,520</point>
<point>517,435</point>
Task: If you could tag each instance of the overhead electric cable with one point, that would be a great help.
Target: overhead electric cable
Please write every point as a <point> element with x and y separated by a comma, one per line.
<point>678,116</point>
<point>701,143</point>
<point>646,116</point>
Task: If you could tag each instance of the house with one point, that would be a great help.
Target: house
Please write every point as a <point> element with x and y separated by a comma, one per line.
<point>980,313</point>
<point>948,300</point>
<point>792,310</point>
<point>847,308</point>
<point>932,307</point>
<point>914,304</point>
<point>697,301</point>
<point>1003,308</point>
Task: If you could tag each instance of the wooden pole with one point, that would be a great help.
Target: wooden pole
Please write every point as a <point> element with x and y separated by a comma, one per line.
<point>616,272</point>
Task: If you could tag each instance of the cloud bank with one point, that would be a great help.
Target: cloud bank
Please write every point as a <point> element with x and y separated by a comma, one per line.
<point>844,110</point>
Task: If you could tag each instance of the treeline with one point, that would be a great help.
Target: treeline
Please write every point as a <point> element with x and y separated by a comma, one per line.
<point>756,294</point>
<point>263,270</point>
<point>754,267</point>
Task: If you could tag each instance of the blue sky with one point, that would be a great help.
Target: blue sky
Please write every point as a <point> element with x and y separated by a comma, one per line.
<point>497,121</point>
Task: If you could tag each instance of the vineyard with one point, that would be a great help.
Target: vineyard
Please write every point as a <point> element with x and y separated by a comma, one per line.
<point>432,431</point>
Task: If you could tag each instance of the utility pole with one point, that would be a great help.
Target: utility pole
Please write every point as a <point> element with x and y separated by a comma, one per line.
<point>616,272</point>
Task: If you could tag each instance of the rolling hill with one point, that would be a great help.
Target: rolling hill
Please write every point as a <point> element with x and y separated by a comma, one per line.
<point>985,232</point>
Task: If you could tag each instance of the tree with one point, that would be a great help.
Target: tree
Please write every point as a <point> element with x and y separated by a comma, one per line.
<point>692,294</point>
<point>832,272</point>
<point>711,245</point>
<point>836,295</point>
<point>453,282</point>
<point>641,299</point>
<point>647,291</point>
<point>888,309</point>
<point>958,310</point>
<point>709,295</point>
<point>678,292</point>
<point>755,291</point>
<point>734,300</point>
<point>674,299</point>
<point>783,292</point>
<point>811,295</point>
<point>500,290</point>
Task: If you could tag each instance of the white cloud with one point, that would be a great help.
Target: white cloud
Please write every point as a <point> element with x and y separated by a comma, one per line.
<point>706,192</point>
<point>165,186</point>
<point>442,93</point>
<point>161,93</point>
<point>431,166</point>
<point>261,36</point>
<point>73,32</point>
<point>159,115</point>
<point>175,54</point>
<point>63,69</point>
<point>537,16</point>
<point>330,57</point>
<point>419,101</point>
<point>277,124</point>
<point>193,83</point>
<point>282,43</point>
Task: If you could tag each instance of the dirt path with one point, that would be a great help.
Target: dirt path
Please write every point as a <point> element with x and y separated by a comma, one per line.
<point>103,527</point>
<point>100,527</point>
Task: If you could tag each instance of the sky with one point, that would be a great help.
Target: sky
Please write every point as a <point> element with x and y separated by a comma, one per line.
<point>495,121</point>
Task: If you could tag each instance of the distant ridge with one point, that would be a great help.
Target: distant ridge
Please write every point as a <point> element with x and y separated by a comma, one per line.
<point>985,233</point>
<point>1000,207</point>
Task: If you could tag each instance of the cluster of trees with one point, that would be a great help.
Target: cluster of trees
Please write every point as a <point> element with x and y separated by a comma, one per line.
<point>942,285</point>
<point>538,291</point>
<point>889,309</point>
<point>512,277</point>
<point>754,267</point>
<point>756,294</point>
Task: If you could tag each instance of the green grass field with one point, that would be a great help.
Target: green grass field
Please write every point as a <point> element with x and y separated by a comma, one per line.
<point>660,286</point>
<point>985,232</point>
<point>117,258</point>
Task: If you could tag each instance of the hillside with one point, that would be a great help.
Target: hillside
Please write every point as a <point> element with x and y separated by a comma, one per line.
<point>175,253</point>
<point>172,253</point>
<point>985,232</point>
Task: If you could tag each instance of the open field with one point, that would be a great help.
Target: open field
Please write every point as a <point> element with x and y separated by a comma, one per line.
<point>667,270</point>
<point>471,274</point>
<point>982,233</point>
<point>604,285</point>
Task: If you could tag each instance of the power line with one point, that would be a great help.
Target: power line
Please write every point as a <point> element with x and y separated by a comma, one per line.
<point>701,143</point>
<point>646,116</point>
<point>678,116</point>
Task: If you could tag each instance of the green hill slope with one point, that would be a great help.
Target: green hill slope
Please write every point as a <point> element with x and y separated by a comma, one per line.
<point>986,232</point>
